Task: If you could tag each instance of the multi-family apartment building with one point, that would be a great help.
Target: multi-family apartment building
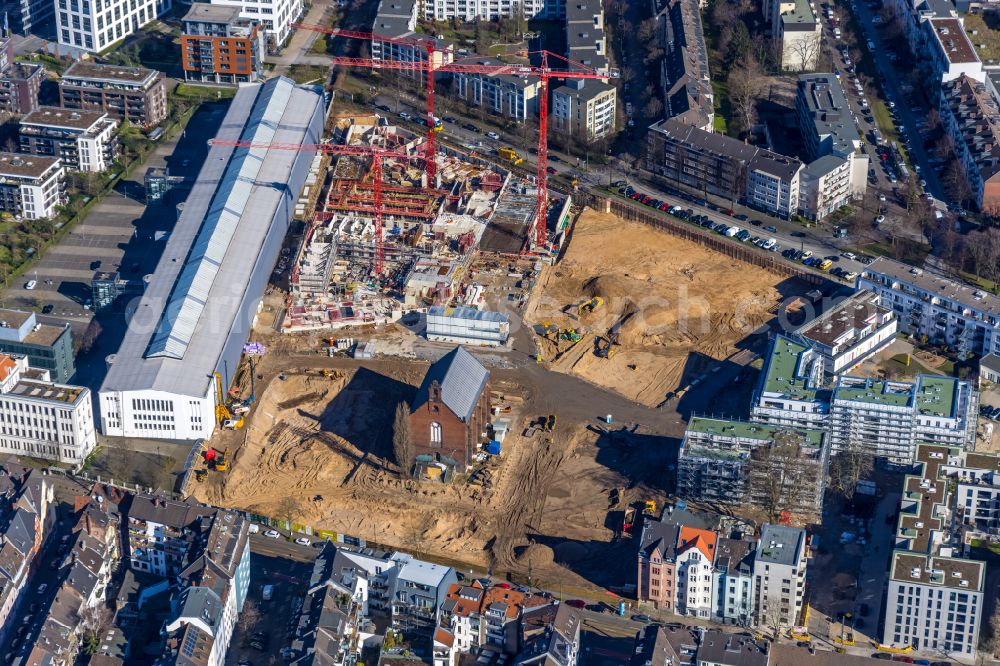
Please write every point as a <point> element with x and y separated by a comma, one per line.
<point>970,116</point>
<point>780,575</point>
<point>550,636</point>
<point>398,19</point>
<point>20,82</point>
<point>584,108</point>
<point>25,16</point>
<point>732,582</point>
<point>31,187</point>
<point>83,140</point>
<point>791,390</point>
<point>838,169</point>
<point>135,94</point>
<point>418,589</point>
<point>28,518</point>
<point>502,94</point>
<point>471,10</point>
<point>849,332</point>
<point>949,50</point>
<point>935,597</point>
<point>657,573</point>
<point>926,304</point>
<point>275,18</point>
<point>739,462</point>
<point>774,183</point>
<point>42,419</point>
<point>684,70</point>
<point>92,25</point>
<point>48,348</point>
<point>219,46</point>
<point>585,36</point>
<point>693,567</point>
<point>798,32</point>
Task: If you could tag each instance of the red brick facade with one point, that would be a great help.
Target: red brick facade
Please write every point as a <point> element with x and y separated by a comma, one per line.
<point>438,431</point>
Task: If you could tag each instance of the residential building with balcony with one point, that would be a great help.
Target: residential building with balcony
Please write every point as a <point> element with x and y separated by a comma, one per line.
<point>42,419</point>
<point>25,16</point>
<point>585,35</point>
<point>947,312</point>
<point>791,391</point>
<point>135,94</point>
<point>490,10</point>
<point>773,183</point>
<point>949,50</point>
<point>828,129</point>
<point>977,491</point>
<point>161,532</point>
<point>732,582</point>
<point>825,186</point>
<point>739,462</point>
<point>274,16</point>
<point>971,118</point>
<point>849,332</point>
<point>219,46</point>
<point>798,32</point>
<point>20,83</point>
<point>418,590</point>
<point>934,600</point>
<point>398,19</point>
<point>93,25</point>
<point>49,348</point>
<point>31,187</point>
<point>584,108</point>
<point>551,636</point>
<point>505,95</point>
<point>82,140</point>
<point>780,575</point>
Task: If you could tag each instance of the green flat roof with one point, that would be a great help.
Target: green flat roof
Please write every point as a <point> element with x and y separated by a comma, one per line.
<point>876,392</point>
<point>936,395</point>
<point>782,362</point>
<point>748,430</point>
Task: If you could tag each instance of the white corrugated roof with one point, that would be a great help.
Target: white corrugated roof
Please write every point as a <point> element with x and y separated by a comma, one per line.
<point>197,299</point>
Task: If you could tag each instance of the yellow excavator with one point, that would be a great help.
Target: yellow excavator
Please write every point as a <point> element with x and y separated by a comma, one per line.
<point>606,346</point>
<point>590,305</point>
<point>224,417</point>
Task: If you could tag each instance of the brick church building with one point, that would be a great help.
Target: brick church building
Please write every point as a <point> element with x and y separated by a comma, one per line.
<point>451,412</point>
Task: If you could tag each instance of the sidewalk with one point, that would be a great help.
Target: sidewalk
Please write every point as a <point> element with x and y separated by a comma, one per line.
<point>301,42</point>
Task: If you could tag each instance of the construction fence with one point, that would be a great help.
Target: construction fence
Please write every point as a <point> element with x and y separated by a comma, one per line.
<point>734,249</point>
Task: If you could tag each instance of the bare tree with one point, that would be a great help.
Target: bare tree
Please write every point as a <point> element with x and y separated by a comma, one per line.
<point>804,52</point>
<point>402,446</point>
<point>990,640</point>
<point>288,508</point>
<point>778,475</point>
<point>850,466</point>
<point>746,86</point>
<point>249,616</point>
<point>89,337</point>
<point>653,108</point>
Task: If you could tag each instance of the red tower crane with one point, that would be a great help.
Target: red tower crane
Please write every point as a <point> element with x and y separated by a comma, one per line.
<point>543,72</point>
<point>377,154</point>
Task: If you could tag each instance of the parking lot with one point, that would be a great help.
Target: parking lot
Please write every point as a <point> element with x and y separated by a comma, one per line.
<point>286,568</point>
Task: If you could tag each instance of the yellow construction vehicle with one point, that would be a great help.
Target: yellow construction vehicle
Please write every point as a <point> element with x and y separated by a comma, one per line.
<point>569,334</point>
<point>222,461</point>
<point>649,507</point>
<point>200,474</point>
<point>510,155</point>
<point>589,305</point>
<point>222,412</point>
<point>606,346</point>
<point>550,332</point>
<point>328,373</point>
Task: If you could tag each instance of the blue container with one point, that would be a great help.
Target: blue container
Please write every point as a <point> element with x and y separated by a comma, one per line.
<point>493,448</point>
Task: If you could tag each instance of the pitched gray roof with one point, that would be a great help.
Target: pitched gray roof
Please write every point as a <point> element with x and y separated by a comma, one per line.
<point>462,379</point>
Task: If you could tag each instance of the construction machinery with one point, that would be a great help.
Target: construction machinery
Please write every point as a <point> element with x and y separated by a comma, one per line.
<point>606,345</point>
<point>436,61</point>
<point>570,334</point>
<point>200,474</point>
<point>510,155</point>
<point>547,423</point>
<point>628,522</point>
<point>590,305</point>
<point>222,413</point>
<point>222,460</point>
<point>649,507</point>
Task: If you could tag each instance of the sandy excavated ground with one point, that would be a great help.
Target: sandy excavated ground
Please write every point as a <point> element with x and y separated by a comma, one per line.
<point>543,510</point>
<point>676,305</point>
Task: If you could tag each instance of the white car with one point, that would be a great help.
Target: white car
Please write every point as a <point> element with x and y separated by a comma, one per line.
<point>880,219</point>
<point>493,135</point>
<point>30,284</point>
<point>849,255</point>
<point>272,534</point>
<point>42,588</point>
<point>302,541</point>
<point>881,197</point>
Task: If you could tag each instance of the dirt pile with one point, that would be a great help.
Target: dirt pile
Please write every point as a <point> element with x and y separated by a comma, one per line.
<point>672,306</point>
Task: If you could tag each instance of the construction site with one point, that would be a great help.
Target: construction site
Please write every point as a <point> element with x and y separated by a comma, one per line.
<point>644,313</point>
<point>383,240</point>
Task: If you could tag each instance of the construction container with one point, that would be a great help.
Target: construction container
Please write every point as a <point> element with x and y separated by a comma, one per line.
<point>493,448</point>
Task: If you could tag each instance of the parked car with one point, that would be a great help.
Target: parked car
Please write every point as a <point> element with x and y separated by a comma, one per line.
<point>302,541</point>
<point>30,284</point>
<point>272,534</point>
<point>493,135</point>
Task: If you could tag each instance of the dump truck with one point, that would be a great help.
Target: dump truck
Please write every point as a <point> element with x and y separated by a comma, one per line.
<point>510,155</point>
<point>628,521</point>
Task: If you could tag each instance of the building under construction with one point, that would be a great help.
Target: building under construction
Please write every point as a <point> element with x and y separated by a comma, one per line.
<point>429,231</point>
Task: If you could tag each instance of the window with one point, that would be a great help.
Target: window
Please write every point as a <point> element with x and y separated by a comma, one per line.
<point>435,435</point>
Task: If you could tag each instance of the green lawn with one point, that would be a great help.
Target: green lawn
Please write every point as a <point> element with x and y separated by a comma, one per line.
<point>989,546</point>
<point>203,93</point>
<point>982,282</point>
<point>723,109</point>
<point>308,73</point>
<point>897,365</point>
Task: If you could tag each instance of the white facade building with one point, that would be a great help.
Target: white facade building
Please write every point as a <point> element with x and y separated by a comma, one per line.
<point>780,575</point>
<point>849,332</point>
<point>505,95</point>
<point>947,312</point>
<point>161,382</point>
<point>790,390</point>
<point>773,183</point>
<point>31,187</point>
<point>41,419</point>
<point>470,10</point>
<point>584,108</point>
<point>275,16</point>
<point>94,25</point>
<point>83,140</point>
<point>732,582</point>
<point>468,326</point>
<point>694,563</point>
